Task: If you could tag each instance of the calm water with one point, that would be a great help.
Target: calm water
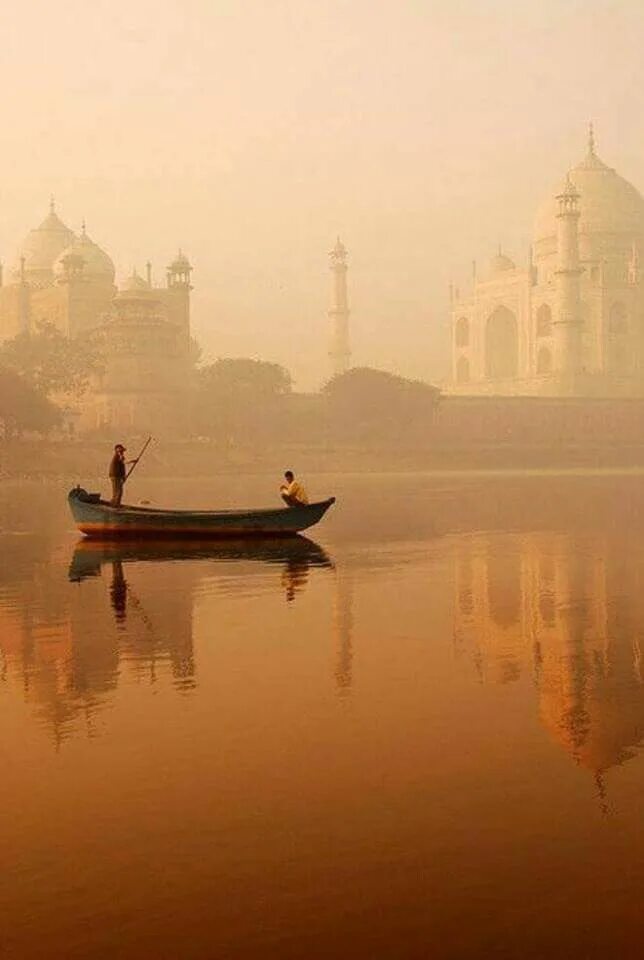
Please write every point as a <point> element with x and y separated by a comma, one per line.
<point>418,736</point>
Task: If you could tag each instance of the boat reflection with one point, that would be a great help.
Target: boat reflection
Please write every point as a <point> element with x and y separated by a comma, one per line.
<point>131,617</point>
<point>297,554</point>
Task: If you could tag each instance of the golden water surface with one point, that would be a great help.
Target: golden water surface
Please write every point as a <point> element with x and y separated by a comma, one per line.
<point>416,734</point>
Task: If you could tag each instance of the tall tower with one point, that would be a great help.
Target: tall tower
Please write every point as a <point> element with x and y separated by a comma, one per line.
<point>567,321</point>
<point>340,351</point>
<point>178,294</point>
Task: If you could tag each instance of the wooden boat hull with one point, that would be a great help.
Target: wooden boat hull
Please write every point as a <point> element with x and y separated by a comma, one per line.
<point>96,518</point>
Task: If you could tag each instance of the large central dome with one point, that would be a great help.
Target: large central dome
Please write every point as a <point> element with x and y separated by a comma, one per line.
<point>611,211</point>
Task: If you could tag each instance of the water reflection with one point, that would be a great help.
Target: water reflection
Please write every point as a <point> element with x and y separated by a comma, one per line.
<point>296,554</point>
<point>343,632</point>
<point>569,611</point>
<point>68,656</point>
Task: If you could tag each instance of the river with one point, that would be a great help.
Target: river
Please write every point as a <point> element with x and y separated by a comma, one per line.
<point>416,734</point>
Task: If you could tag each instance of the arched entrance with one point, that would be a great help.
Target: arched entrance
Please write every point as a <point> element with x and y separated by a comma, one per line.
<point>544,362</point>
<point>462,334</point>
<point>501,345</point>
<point>544,321</point>
<point>462,370</point>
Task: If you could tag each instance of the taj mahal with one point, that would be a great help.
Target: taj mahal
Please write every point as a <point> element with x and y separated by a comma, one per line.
<point>567,323</point>
<point>570,322</point>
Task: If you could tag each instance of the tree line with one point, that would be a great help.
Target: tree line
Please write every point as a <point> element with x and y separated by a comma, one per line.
<point>234,401</point>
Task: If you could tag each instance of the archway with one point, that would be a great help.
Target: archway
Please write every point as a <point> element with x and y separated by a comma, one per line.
<point>462,370</point>
<point>544,321</point>
<point>501,345</point>
<point>544,362</point>
<point>618,319</point>
<point>462,333</point>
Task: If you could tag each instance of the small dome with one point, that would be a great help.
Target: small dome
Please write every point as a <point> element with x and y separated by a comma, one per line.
<point>500,263</point>
<point>134,283</point>
<point>97,265</point>
<point>43,245</point>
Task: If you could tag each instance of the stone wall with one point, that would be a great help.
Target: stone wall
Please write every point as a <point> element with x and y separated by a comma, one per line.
<point>547,422</point>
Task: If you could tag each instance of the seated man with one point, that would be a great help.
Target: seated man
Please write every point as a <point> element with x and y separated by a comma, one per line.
<point>293,493</point>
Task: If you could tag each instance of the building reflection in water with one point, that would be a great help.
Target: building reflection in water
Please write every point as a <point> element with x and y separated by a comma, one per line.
<point>69,656</point>
<point>343,631</point>
<point>570,611</point>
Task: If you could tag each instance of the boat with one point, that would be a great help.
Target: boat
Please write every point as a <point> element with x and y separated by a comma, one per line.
<point>91,555</point>
<point>95,517</point>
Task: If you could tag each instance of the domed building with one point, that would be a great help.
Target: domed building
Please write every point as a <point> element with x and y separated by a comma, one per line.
<point>145,365</point>
<point>571,321</point>
<point>68,280</point>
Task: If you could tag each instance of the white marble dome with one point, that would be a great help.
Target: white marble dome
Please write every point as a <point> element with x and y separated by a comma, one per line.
<point>611,211</point>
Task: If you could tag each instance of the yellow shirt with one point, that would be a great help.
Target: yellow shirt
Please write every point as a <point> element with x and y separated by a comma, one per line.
<point>295,490</point>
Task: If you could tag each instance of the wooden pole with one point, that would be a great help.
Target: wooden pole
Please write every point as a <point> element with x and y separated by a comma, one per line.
<point>144,448</point>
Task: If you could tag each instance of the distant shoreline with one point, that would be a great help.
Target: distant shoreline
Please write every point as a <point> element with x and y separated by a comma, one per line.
<point>78,461</point>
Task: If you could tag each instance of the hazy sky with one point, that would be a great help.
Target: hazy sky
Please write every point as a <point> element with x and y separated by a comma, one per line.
<point>252,132</point>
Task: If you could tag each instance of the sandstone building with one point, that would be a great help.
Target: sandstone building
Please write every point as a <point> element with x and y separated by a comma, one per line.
<point>569,322</point>
<point>142,332</point>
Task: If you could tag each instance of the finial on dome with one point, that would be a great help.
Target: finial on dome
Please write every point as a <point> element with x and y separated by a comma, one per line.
<point>52,203</point>
<point>83,229</point>
<point>591,139</point>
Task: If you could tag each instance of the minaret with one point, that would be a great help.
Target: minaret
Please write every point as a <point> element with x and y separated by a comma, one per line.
<point>178,294</point>
<point>340,351</point>
<point>567,321</point>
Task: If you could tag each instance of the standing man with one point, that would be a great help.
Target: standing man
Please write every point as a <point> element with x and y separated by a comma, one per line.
<point>118,473</point>
<point>293,493</point>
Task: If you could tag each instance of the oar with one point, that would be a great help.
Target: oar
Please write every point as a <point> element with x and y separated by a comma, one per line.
<point>144,448</point>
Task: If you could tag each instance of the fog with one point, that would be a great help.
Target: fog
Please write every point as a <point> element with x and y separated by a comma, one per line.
<point>322,646</point>
<point>251,134</point>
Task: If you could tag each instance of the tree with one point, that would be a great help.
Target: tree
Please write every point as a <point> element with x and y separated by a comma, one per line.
<point>23,408</point>
<point>51,362</point>
<point>236,398</point>
<point>370,405</point>
<point>241,377</point>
